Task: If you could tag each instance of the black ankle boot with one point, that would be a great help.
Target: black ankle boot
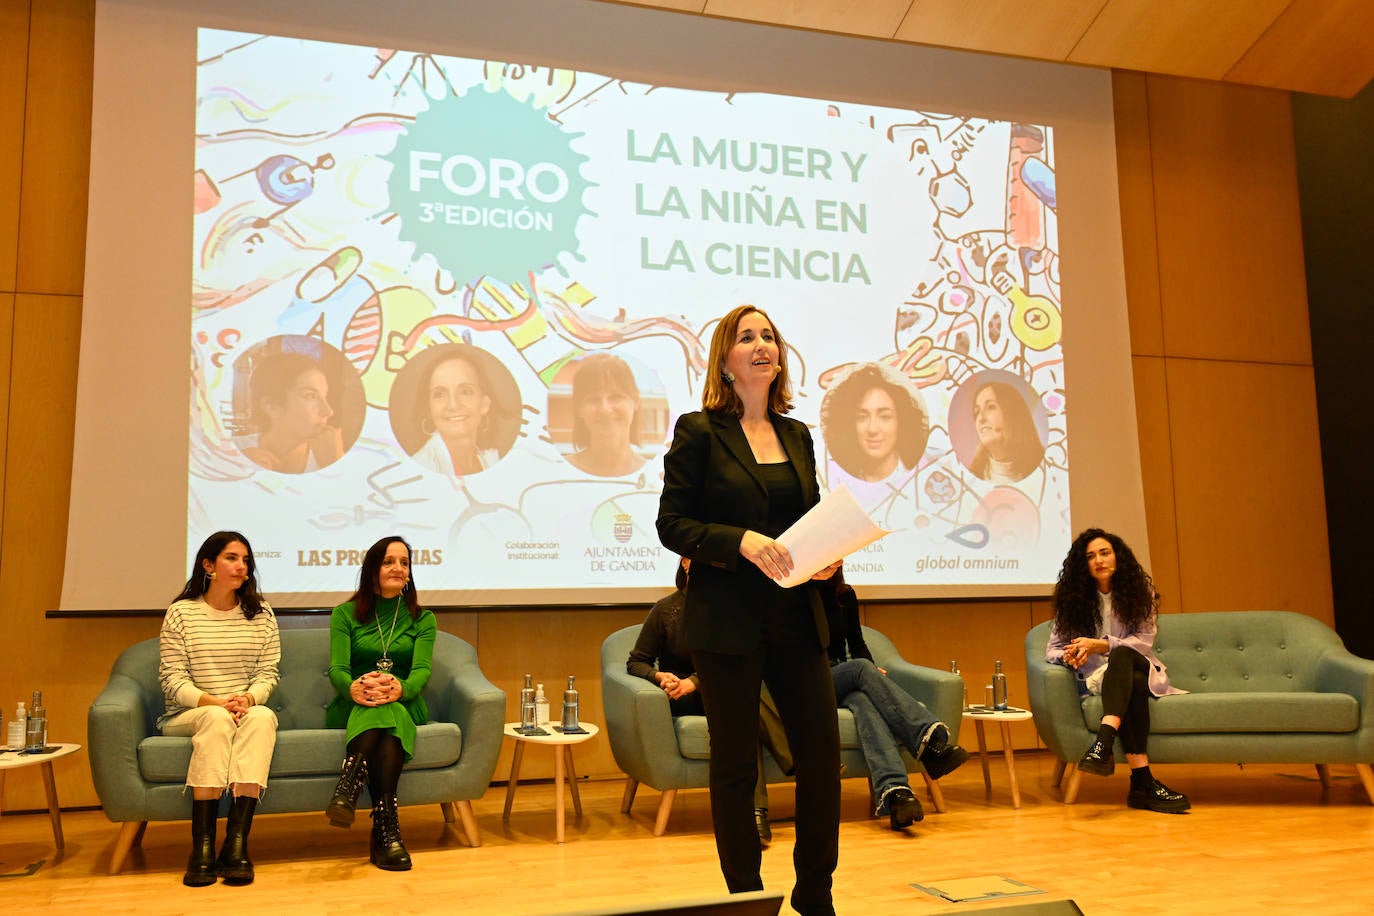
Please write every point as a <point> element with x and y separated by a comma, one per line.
<point>903,807</point>
<point>761,825</point>
<point>388,850</point>
<point>942,762</point>
<point>343,806</point>
<point>1098,760</point>
<point>200,868</point>
<point>233,863</point>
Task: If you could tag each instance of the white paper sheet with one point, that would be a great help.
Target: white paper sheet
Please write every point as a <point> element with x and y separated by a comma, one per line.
<point>834,528</point>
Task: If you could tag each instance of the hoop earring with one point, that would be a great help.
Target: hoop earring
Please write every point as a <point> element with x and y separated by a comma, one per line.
<point>427,422</point>
<point>728,376</point>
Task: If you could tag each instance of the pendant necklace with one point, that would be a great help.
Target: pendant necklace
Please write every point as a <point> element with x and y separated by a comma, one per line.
<point>384,663</point>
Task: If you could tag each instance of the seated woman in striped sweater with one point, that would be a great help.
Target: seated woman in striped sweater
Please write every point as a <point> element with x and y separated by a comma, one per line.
<point>219,654</point>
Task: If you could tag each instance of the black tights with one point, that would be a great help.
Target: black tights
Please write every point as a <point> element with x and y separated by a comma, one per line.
<point>1126,693</point>
<point>384,755</point>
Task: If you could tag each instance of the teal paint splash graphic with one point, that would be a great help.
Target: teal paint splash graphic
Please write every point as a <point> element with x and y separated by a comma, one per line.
<point>488,185</point>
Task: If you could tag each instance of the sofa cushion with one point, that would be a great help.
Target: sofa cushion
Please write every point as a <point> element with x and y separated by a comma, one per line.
<point>694,742</point>
<point>301,752</point>
<point>1229,713</point>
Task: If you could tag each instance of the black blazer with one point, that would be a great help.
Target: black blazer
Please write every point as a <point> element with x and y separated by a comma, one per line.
<point>711,496</point>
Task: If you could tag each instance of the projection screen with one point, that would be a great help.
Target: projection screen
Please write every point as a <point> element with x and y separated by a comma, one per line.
<point>450,270</point>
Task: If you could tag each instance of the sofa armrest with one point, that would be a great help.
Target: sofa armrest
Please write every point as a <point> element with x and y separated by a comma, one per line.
<point>639,724</point>
<point>1054,701</point>
<point>115,725</point>
<point>1342,672</point>
<point>479,708</point>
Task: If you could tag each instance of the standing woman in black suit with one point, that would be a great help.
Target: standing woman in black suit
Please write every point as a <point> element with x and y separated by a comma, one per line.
<point>738,474</point>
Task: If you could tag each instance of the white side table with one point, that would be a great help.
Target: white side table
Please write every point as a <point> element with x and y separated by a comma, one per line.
<point>562,761</point>
<point>13,760</point>
<point>1004,718</point>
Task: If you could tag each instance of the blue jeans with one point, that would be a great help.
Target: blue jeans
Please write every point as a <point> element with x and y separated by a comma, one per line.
<point>885,716</point>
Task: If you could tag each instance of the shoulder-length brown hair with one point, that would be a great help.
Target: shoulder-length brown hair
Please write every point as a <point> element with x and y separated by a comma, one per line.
<point>719,393</point>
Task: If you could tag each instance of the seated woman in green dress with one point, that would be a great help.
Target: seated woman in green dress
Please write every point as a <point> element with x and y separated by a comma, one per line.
<point>380,645</point>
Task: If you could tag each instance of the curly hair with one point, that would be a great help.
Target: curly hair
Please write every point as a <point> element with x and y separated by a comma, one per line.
<point>841,406</point>
<point>1076,610</point>
<point>272,378</point>
<point>718,393</point>
<point>250,599</point>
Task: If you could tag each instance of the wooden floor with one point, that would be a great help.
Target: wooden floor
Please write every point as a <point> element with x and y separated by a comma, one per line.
<point>1260,839</point>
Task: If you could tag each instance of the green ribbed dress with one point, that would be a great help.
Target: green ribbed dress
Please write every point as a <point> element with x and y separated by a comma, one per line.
<point>353,651</point>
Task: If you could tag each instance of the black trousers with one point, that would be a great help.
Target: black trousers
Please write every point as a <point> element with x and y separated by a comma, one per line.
<point>797,672</point>
<point>1126,693</point>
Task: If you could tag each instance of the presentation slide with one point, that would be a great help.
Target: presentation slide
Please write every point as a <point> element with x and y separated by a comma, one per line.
<point>465,301</point>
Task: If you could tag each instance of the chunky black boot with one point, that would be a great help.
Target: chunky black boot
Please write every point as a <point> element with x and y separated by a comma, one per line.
<point>200,868</point>
<point>342,807</point>
<point>903,807</point>
<point>1098,759</point>
<point>233,863</point>
<point>388,850</point>
<point>942,762</point>
<point>761,824</point>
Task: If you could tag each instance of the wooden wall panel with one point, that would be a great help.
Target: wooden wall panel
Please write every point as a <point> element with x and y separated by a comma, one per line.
<point>57,148</point>
<point>1135,179</point>
<point>1232,283</point>
<point>14,56</point>
<point>1251,509</point>
<point>1157,473</point>
<point>6,350</point>
<point>552,645</point>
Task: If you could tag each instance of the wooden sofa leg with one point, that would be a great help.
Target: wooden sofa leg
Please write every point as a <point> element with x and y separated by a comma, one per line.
<point>130,832</point>
<point>1059,767</point>
<point>1324,774</point>
<point>1366,777</point>
<point>1071,793</point>
<point>937,798</point>
<point>449,815</point>
<point>628,799</point>
<point>665,808</point>
<point>469,823</point>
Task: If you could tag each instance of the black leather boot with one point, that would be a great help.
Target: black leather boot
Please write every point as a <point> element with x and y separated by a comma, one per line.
<point>942,762</point>
<point>200,868</point>
<point>903,807</point>
<point>388,850</point>
<point>343,806</point>
<point>233,863</point>
<point>1098,759</point>
<point>761,824</point>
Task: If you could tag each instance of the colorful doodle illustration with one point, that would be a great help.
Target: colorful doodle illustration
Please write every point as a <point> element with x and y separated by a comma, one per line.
<point>456,240</point>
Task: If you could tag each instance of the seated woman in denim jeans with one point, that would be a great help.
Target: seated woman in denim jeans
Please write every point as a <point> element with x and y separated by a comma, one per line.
<point>884,714</point>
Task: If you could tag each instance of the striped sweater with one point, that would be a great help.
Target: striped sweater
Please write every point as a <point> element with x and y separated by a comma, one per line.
<point>204,650</point>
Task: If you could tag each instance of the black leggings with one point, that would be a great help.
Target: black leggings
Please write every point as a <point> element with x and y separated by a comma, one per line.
<point>384,755</point>
<point>1126,693</point>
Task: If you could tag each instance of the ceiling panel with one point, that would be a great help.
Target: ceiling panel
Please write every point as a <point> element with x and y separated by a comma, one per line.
<point>872,18</point>
<point>1324,46</point>
<point>1047,30</point>
<point>1179,37</point>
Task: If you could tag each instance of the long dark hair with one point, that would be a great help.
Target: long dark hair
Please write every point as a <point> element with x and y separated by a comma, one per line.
<point>1018,426</point>
<point>248,596</point>
<point>1076,610</point>
<point>365,598</point>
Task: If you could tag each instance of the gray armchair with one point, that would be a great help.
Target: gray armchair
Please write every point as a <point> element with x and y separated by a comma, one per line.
<point>140,774</point>
<point>668,754</point>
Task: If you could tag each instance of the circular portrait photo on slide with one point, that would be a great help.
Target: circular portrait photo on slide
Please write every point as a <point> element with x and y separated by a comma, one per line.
<point>998,427</point>
<point>874,423</point>
<point>607,414</point>
<point>298,404</point>
<point>455,409</point>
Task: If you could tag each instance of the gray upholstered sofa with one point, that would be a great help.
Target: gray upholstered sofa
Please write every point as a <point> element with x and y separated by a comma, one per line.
<point>140,775</point>
<point>1265,687</point>
<point>669,754</point>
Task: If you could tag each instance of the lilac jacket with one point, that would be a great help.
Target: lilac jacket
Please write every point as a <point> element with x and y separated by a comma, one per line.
<point>1142,640</point>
